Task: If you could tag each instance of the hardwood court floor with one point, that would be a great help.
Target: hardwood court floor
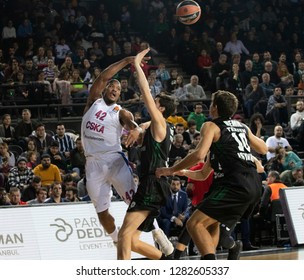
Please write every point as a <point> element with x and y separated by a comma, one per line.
<point>293,253</point>
<point>267,253</point>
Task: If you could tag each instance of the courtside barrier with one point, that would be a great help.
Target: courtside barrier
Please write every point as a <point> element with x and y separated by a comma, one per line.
<point>65,231</point>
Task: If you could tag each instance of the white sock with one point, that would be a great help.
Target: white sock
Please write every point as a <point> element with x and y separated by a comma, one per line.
<point>155,224</point>
<point>114,235</point>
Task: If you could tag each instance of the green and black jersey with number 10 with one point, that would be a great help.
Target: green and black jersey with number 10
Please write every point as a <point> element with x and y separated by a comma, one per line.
<point>232,150</point>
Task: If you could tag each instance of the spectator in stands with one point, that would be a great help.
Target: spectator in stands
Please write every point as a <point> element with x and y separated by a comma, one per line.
<point>215,54</point>
<point>190,132</point>
<point>7,132</point>
<point>48,172</point>
<point>57,158</point>
<point>85,70</point>
<point>234,82</point>
<point>6,156</point>
<point>8,32</point>
<point>173,216</point>
<point>268,58</point>
<point>31,147</point>
<point>194,90</point>
<point>235,46</point>
<point>128,95</point>
<point>50,71</point>
<point>24,128</point>
<point>256,125</point>
<point>11,71</point>
<point>289,159</point>
<point>4,170</point>
<point>77,158</point>
<point>301,82</point>
<point>197,115</point>
<point>96,72</point>
<point>171,83</point>
<point>41,138</point>
<point>25,29</point>
<point>177,151</point>
<point>186,54</point>
<point>30,193</point>
<point>220,72</point>
<point>298,72</point>
<point>66,143</point>
<point>162,74</point>
<point>79,90</point>
<point>297,119</point>
<point>276,112</point>
<point>40,90</point>
<point>61,51</point>
<point>257,66</point>
<point>30,71</point>
<point>97,50</point>
<point>41,196</point>
<point>179,91</point>
<point>62,87</point>
<point>155,88</point>
<point>40,59</point>
<point>247,74</point>
<point>4,198</point>
<point>255,99</point>
<point>266,85</point>
<point>175,119</point>
<point>15,197</point>
<point>276,140</point>
<point>71,194</point>
<point>20,176</point>
<point>271,192</point>
<point>294,177</point>
<point>31,159</point>
<point>56,191</point>
<point>268,68</point>
<point>67,65</point>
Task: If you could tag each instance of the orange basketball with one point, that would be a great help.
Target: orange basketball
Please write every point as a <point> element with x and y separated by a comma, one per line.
<point>188,12</point>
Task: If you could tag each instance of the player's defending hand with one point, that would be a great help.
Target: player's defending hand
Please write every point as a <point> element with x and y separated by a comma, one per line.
<point>182,173</point>
<point>133,136</point>
<point>163,171</point>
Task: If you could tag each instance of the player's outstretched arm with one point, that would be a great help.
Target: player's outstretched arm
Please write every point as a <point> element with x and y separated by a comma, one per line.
<point>158,122</point>
<point>208,132</point>
<point>198,175</point>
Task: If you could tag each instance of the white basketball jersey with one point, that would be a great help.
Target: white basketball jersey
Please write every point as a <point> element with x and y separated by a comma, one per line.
<point>101,129</point>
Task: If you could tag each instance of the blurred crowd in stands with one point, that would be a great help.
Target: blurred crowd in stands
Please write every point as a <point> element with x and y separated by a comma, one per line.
<point>52,51</point>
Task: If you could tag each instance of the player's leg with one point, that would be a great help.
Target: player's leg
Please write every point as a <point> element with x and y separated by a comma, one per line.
<point>128,234</point>
<point>100,193</point>
<point>197,227</point>
<point>123,181</point>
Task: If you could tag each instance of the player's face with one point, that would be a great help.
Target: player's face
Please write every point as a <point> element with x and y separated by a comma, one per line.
<point>112,92</point>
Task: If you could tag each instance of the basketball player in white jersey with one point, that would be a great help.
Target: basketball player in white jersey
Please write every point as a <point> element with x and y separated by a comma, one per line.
<point>106,165</point>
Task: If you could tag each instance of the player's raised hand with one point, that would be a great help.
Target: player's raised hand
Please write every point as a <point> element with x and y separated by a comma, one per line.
<point>140,57</point>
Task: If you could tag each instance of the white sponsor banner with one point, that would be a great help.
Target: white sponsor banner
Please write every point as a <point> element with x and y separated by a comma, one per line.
<point>292,200</point>
<point>58,232</point>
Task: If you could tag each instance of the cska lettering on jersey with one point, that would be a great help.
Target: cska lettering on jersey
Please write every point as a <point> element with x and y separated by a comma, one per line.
<point>95,127</point>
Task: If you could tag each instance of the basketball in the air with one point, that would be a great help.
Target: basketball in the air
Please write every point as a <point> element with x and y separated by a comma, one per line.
<point>188,12</point>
